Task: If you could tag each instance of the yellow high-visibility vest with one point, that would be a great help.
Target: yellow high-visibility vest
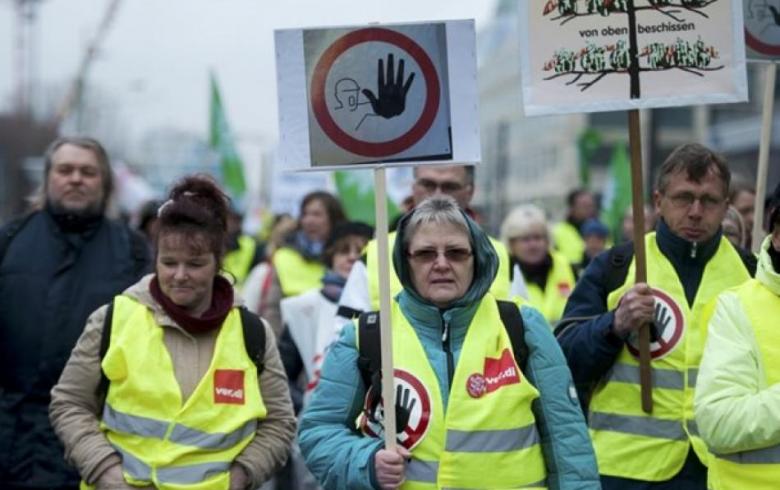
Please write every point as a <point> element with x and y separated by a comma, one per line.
<point>499,288</point>
<point>628,442</point>
<point>238,262</point>
<point>296,274</point>
<point>165,441</point>
<point>560,282</point>
<point>758,469</point>
<point>569,242</point>
<point>487,438</point>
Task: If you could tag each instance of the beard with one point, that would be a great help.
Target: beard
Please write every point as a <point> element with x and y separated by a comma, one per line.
<point>75,220</point>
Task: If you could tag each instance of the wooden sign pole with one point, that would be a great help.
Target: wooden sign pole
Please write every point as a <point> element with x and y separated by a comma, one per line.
<point>638,208</point>
<point>388,382</point>
<point>763,154</point>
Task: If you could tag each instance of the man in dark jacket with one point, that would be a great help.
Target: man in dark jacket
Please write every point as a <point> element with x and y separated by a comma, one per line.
<point>57,265</point>
<point>688,263</point>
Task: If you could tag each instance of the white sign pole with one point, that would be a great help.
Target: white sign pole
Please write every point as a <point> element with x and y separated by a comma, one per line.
<point>763,154</point>
<point>388,383</point>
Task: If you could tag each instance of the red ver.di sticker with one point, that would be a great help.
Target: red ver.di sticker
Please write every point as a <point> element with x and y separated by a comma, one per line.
<point>229,386</point>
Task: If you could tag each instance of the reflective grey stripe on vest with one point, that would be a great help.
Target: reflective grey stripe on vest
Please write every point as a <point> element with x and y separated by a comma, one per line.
<point>485,441</point>
<point>133,466</point>
<point>212,440</point>
<point>189,474</point>
<point>422,471</point>
<point>181,434</point>
<point>662,378</point>
<point>634,424</point>
<point>541,483</point>
<point>768,455</point>
<point>693,374</point>
<point>133,424</point>
<point>693,429</point>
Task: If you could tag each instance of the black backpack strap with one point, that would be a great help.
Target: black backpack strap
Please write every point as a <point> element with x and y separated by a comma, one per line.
<point>619,260</point>
<point>254,337</point>
<point>105,341</point>
<point>513,323</point>
<point>9,231</point>
<point>369,346</point>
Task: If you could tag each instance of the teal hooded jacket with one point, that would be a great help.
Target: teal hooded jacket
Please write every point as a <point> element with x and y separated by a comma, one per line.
<point>340,457</point>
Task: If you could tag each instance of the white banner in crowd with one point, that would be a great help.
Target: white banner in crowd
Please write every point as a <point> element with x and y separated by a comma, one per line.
<point>378,94</point>
<point>762,29</point>
<point>604,55</point>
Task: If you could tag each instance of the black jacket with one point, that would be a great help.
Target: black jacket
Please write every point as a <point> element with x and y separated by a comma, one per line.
<point>50,282</point>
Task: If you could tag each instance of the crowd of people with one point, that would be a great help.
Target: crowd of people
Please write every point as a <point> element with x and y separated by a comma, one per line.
<point>184,354</point>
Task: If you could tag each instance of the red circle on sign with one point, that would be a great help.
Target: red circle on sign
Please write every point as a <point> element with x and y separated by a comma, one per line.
<point>759,45</point>
<point>665,346</point>
<point>367,148</point>
<point>476,385</point>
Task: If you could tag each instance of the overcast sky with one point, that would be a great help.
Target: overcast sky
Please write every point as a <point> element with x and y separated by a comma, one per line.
<point>156,58</point>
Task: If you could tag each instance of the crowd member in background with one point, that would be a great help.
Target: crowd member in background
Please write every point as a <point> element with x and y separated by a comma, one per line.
<point>459,424</point>
<point>147,223</point>
<point>689,263</point>
<point>595,234</point>
<point>738,389</point>
<point>546,276</point>
<point>57,264</point>
<point>242,252</point>
<point>734,228</point>
<point>361,292</point>
<point>743,198</point>
<point>308,320</point>
<point>297,264</point>
<point>181,397</point>
<point>259,281</point>
<point>566,234</point>
<point>627,228</point>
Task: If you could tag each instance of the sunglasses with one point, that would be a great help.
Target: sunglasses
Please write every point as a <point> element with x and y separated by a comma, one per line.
<point>429,255</point>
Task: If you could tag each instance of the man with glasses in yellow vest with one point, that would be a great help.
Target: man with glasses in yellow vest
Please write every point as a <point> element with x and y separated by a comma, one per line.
<point>738,392</point>
<point>361,293</point>
<point>689,263</point>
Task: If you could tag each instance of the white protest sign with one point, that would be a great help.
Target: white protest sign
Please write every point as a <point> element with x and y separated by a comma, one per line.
<point>607,55</point>
<point>762,29</point>
<point>378,94</point>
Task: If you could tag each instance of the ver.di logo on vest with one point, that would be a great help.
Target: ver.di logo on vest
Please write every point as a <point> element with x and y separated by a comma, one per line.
<point>666,330</point>
<point>496,373</point>
<point>229,386</point>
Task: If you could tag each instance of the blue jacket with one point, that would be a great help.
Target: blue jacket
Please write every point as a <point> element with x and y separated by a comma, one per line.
<point>340,457</point>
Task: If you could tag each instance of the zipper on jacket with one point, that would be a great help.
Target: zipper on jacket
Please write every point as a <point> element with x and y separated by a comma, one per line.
<point>693,250</point>
<point>445,343</point>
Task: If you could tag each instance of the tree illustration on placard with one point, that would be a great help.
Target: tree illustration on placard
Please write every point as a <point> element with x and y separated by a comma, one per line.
<point>590,64</point>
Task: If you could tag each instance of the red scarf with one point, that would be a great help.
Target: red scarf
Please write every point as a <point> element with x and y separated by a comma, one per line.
<point>221,303</point>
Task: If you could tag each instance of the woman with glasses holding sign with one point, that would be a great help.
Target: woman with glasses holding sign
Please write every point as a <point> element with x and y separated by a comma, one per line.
<point>483,395</point>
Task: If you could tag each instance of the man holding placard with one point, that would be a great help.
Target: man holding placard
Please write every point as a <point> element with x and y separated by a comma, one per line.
<point>689,263</point>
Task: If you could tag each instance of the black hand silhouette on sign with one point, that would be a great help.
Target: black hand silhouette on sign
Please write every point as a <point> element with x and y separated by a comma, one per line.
<point>660,322</point>
<point>403,407</point>
<point>775,14</point>
<point>390,100</point>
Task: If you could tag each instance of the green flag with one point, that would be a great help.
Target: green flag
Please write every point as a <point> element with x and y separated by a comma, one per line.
<point>617,194</point>
<point>356,192</point>
<point>221,140</point>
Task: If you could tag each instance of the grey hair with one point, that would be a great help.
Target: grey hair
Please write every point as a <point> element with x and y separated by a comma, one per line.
<point>521,221</point>
<point>439,209</point>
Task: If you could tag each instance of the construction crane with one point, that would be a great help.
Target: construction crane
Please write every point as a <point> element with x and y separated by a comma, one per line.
<point>24,53</point>
<point>74,95</point>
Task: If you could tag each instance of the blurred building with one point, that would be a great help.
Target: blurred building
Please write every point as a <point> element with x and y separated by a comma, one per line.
<point>538,159</point>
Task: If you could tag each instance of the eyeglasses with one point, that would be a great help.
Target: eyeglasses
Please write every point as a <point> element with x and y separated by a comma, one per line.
<point>429,255</point>
<point>446,187</point>
<point>685,200</point>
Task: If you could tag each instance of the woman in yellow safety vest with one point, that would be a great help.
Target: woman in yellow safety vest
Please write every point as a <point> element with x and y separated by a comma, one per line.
<point>738,387</point>
<point>297,264</point>
<point>475,408</point>
<point>174,386</point>
<point>545,277</point>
